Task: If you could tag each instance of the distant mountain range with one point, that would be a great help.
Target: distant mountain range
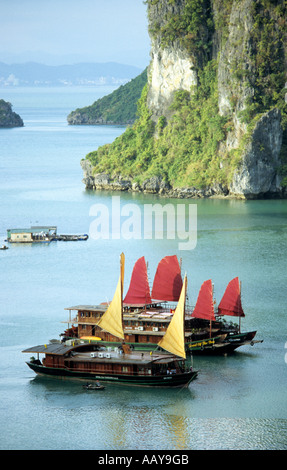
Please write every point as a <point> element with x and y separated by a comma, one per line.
<point>88,74</point>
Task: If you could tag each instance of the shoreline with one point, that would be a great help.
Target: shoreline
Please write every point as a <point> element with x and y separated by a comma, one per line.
<point>156,186</point>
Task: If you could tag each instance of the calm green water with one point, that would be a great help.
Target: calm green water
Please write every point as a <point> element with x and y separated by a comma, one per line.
<point>237,402</point>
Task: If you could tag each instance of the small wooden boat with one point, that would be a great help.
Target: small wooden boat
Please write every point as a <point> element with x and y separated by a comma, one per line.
<point>96,386</point>
<point>70,238</point>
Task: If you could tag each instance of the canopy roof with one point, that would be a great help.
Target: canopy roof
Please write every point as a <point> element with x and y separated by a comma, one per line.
<point>59,349</point>
<point>33,229</point>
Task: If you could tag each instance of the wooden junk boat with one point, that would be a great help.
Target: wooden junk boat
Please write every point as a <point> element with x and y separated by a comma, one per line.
<point>121,365</point>
<point>146,315</point>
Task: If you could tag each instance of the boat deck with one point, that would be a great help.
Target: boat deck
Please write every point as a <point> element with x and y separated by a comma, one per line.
<point>134,357</point>
<point>80,352</point>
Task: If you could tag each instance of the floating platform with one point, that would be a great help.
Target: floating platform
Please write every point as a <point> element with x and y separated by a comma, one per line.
<point>70,238</point>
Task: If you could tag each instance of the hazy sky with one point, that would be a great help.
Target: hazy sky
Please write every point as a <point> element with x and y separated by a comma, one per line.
<point>69,31</point>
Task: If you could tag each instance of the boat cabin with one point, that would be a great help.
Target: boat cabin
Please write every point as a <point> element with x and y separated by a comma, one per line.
<point>93,359</point>
<point>141,325</point>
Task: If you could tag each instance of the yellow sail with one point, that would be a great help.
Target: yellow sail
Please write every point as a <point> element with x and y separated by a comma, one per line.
<point>111,321</point>
<point>173,340</point>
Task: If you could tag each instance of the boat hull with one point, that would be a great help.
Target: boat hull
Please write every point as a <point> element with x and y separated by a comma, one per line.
<point>162,381</point>
<point>214,349</point>
<point>228,346</point>
<point>219,345</point>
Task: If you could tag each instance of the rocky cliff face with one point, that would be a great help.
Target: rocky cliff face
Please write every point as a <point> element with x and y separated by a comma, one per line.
<point>173,68</point>
<point>258,170</point>
<point>213,119</point>
<point>170,70</point>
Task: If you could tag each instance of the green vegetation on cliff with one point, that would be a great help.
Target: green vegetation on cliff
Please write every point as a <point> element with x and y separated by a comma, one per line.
<point>183,151</point>
<point>189,148</point>
<point>118,107</point>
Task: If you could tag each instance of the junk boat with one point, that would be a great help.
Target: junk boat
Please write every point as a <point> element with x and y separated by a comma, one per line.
<point>121,365</point>
<point>40,234</point>
<point>229,337</point>
<point>146,314</point>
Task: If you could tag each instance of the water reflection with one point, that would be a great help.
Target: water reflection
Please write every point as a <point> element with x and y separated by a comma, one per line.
<point>121,415</point>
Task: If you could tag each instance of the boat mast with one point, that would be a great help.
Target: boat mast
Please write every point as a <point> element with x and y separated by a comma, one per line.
<point>240,301</point>
<point>146,292</point>
<point>122,289</point>
<point>185,281</point>
<point>210,320</point>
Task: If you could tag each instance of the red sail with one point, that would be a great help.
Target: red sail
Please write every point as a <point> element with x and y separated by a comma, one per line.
<point>139,292</point>
<point>231,301</point>
<point>167,282</point>
<point>204,307</point>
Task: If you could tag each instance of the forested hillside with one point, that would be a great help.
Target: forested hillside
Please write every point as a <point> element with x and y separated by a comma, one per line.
<point>117,108</point>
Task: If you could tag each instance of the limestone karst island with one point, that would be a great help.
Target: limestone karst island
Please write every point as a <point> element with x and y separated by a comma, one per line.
<point>212,116</point>
<point>7,117</point>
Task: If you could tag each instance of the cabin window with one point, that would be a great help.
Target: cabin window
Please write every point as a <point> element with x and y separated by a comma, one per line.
<point>125,369</point>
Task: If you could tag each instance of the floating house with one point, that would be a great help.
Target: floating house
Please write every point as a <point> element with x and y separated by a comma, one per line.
<point>40,234</point>
<point>32,234</point>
